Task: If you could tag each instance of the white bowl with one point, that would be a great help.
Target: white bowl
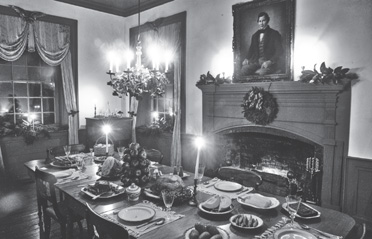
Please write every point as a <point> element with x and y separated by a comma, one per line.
<point>259,220</point>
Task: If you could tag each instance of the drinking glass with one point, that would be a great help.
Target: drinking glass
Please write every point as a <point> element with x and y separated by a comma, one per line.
<point>168,198</point>
<point>293,203</point>
<point>200,172</point>
<point>121,152</point>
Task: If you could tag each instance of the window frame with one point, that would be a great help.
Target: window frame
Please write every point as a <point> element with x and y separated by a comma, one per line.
<point>61,112</point>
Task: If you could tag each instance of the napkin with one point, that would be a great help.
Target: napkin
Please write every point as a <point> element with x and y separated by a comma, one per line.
<point>64,173</point>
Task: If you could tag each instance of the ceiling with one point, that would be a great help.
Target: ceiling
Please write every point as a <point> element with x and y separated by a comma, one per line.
<point>123,8</point>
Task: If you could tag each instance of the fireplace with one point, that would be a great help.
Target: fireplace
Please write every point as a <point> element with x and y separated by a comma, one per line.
<point>313,116</point>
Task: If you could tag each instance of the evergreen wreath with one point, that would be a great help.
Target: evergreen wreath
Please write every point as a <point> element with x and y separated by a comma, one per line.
<point>259,106</point>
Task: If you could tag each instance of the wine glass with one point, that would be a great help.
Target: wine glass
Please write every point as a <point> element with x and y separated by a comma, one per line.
<point>80,163</point>
<point>67,149</point>
<point>293,203</point>
<point>121,152</point>
<point>168,198</point>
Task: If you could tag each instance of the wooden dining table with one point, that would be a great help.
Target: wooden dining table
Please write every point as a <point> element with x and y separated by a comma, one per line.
<point>330,221</point>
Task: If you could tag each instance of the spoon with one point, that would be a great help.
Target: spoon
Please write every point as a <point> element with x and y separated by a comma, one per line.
<point>99,195</point>
<point>160,222</point>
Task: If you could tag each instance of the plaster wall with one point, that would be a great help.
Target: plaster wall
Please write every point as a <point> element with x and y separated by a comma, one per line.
<point>335,31</point>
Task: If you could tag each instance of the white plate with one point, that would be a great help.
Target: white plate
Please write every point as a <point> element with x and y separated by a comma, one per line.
<point>62,166</point>
<point>286,233</point>
<point>274,201</point>
<point>284,206</point>
<point>136,214</point>
<point>227,186</point>
<point>108,195</point>
<point>222,232</point>
<point>215,213</point>
<point>63,174</point>
<point>259,220</point>
<point>185,175</point>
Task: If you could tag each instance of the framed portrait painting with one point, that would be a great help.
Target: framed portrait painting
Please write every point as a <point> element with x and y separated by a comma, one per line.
<point>263,40</point>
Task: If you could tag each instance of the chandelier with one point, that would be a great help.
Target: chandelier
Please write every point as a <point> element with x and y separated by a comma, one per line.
<point>136,80</point>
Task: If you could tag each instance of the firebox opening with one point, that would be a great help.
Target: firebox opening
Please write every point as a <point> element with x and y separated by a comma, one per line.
<point>273,156</point>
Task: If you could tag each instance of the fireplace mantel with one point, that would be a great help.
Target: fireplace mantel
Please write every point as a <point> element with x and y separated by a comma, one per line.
<point>319,113</point>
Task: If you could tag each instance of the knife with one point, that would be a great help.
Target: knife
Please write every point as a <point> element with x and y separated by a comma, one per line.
<point>244,190</point>
<point>212,183</point>
<point>149,222</point>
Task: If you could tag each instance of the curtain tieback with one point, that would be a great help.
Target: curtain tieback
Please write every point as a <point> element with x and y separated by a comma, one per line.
<point>72,113</point>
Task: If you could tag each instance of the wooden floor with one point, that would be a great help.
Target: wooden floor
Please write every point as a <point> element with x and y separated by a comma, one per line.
<point>18,213</point>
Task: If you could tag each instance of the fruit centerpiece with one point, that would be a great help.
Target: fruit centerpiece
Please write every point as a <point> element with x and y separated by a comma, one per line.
<point>135,168</point>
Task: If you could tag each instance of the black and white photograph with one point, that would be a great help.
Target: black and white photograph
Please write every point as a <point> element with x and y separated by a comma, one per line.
<point>185,119</point>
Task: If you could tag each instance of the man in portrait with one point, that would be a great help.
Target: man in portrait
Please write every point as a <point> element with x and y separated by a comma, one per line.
<point>265,54</point>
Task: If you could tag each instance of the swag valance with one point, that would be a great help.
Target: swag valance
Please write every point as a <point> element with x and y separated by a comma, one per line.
<point>52,42</point>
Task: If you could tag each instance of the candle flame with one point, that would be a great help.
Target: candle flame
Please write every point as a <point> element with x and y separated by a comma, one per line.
<point>199,142</point>
<point>106,129</point>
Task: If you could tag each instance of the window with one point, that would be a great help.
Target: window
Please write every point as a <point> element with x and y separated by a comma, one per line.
<point>27,90</point>
<point>163,106</point>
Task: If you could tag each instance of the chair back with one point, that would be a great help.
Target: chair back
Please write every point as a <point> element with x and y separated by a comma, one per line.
<point>243,176</point>
<point>154,155</point>
<point>104,227</point>
<point>59,151</point>
<point>45,191</point>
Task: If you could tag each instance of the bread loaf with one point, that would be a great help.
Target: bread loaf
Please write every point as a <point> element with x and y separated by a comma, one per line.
<point>257,201</point>
<point>167,181</point>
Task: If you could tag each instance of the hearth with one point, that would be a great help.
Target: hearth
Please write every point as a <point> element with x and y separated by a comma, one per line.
<point>317,116</point>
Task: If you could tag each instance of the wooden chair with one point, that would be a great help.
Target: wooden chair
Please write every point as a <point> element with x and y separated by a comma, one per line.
<point>243,176</point>
<point>360,231</point>
<point>154,155</point>
<point>104,228</point>
<point>50,206</point>
<point>59,151</point>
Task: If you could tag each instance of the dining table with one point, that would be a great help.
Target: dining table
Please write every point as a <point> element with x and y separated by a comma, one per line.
<point>330,221</point>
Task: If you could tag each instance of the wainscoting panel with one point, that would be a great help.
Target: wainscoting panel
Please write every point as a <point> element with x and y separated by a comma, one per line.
<point>358,189</point>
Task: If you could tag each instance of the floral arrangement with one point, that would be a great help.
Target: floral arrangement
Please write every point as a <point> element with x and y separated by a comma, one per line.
<point>30,132</point>
<point>164,124</point>
<point>207,79</point>
<point>326,75</point>
<point>134,83</point>
<point>259,106</point>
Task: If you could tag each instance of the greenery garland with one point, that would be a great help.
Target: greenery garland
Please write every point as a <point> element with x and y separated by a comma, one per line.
<point>259,106</point>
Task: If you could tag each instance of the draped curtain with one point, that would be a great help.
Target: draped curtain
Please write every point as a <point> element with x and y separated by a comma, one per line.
<point>169,37</point>
<point>52,42</point>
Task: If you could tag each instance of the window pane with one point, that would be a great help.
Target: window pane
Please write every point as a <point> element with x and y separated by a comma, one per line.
<point>20,89</point>
<point>6,89</point>
<point>161,107</point>
<point>48,89</point>
<point>48,105</point>
<point>22,61</point>
<point>20,118</point>
<point>34,74</point>
<point>5,105</point>
<point>33,59</point>
<point>35,105</point>
<point>21,105</point>
<point>6,72</point>
<point>20,73</point>
<point>49,118</point>
<point>35,89</point>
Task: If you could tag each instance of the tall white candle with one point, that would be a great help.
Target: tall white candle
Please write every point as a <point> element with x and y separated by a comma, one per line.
<point>197,164</point>
<point>111,65</point>
<point>106,142</point>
